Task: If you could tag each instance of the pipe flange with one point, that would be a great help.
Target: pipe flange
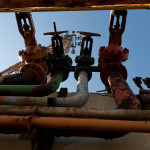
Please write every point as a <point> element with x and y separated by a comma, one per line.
<point>33,53</point>
<point>113,53</point>
<point>110,67</point>
<point>64,69</point>
<point>63,64</point>
<point>83,68</point>
<point>37,69</point>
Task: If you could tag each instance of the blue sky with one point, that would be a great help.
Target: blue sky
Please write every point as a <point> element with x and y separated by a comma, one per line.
<point>136,38</point>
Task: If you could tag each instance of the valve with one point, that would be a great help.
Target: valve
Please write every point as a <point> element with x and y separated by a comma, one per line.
<point>59,60</point>
<point>27,30</point>
<point>112,56</point>
<point>35,56</point>
<point>56,39</point>
<point>84,60</point>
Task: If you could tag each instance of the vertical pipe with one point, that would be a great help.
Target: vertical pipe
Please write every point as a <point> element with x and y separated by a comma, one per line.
<point>80,98</point>
<point>123,94</point>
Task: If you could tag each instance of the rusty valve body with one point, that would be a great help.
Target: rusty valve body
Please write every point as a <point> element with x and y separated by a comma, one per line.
<point>34,55</point>
<point>112,72</point>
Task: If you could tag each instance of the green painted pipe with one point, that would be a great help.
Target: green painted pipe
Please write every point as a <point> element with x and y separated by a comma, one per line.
<point>33,90</point>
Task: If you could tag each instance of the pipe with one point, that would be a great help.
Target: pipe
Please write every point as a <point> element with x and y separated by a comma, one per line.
<point>85,8</point>
<point>80,98</point>
<point>28,77</point>
<point>33,90</point>
<point>75,101</point>
<point>74,124</point>
<point>123,94</point>
<point>41,5</point>
<point>113,114</point>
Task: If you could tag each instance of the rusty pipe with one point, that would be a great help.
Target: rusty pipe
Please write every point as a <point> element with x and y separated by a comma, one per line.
<point>42,5</point>
<point>113,114</point>
<point>33,90</point>
<point>74,124</point>
<point>77,100</point>
<point>123,94</point>
<point>25,78</point>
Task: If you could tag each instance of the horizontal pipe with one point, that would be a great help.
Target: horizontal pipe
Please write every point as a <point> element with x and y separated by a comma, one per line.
<point>73,5</point>
<point>80,98</point>
<point>33,90</point>
<point>77,100</point>
<point>28,78</point>
<point>113,114</point>
<point>65,3</point>
<point>74,124</point>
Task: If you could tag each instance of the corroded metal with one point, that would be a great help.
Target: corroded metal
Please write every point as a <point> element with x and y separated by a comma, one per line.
<point>113,114</point>
<point>28,77</point>
<point>77,100</point>
<point>33,90</point>
<point>124,96</point>
<point>26,30</point>
<point>34,55</point>
<point>112,73</point>
<point>74,124</point>
<point>53,5</point>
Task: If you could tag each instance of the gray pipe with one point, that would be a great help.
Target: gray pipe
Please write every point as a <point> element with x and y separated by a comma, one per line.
<point>80,98</point>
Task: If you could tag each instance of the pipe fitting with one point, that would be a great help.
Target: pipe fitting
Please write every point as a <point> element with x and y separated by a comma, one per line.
<point>64,63</point>
<point>85,69</point>
<point>37,69</point>
<point>108,68</point>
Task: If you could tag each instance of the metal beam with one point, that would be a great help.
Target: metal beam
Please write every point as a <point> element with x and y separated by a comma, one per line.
<point>70,5</point>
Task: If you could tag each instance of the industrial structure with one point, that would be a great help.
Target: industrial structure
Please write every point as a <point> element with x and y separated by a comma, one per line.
<point>29,104</point>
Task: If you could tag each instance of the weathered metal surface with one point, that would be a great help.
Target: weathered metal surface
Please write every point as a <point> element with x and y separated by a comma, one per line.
<point>113,114</point>
<point>25,78</point>
<point>75,124</point>
<point>33,90</point>
<point>93,68</point>
<point>34,55</point>
<point>111,57</point>
<point>123,94</point>
<point>59,5</point>
<point>80,98</point>
<point>91,124</point>
<point>63,92</point>
<point>23,101</point>
<point>145,97</point>
<point>27,30</point>
<point>77,100</point>
<point>112,73</point>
